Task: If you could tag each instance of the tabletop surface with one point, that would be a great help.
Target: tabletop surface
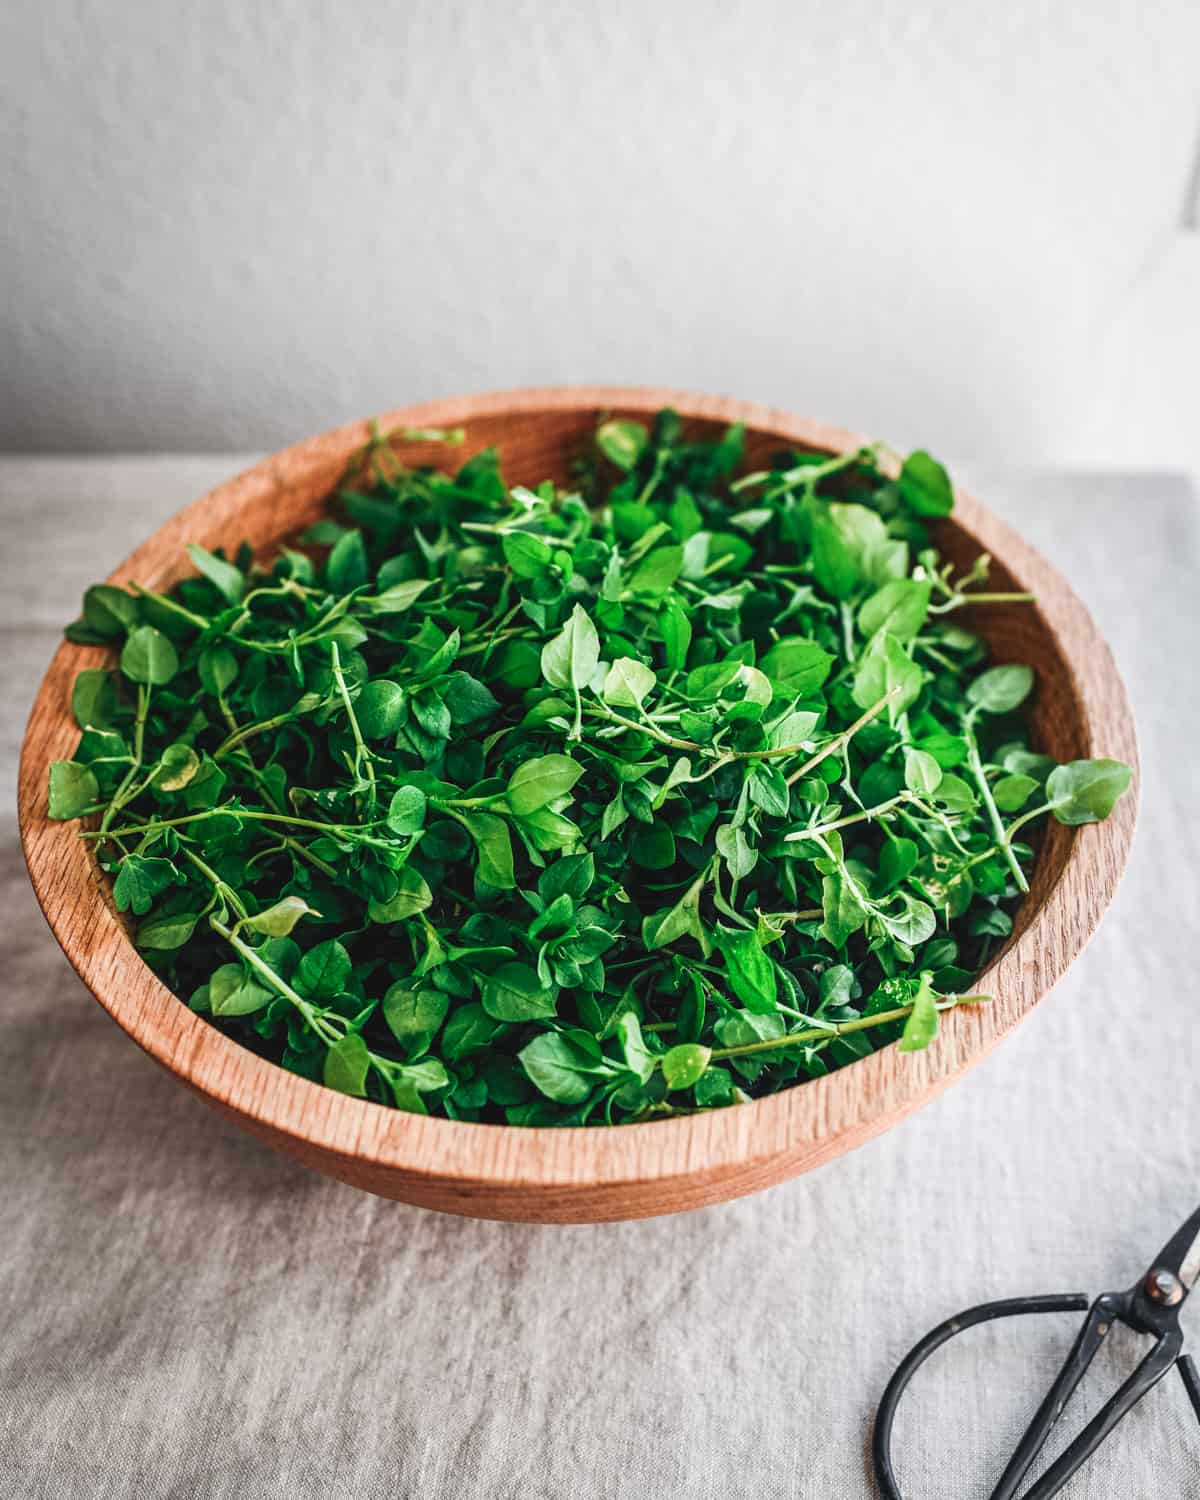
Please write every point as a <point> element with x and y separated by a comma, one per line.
<point>187,1315</point>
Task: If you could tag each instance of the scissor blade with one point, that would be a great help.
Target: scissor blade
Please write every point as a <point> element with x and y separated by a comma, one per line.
<point>1181,1253</point>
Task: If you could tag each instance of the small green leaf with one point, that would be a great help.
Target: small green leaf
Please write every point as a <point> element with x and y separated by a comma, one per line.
<point>412,895</point>
<point>682,1066</point>
<point>921,1026</point>
<point>922,774</point>
<point>899,607</point>
<point>571,658</point>
<point>537,783</point>
<point>562,1068</point>
<point>527,555</point>
<point>94,699</point>
<point>73,789</point>
<point>925,486</point>
<point>1001,689</point>
<point>324,970</point>
<point>229,581</point>
<point>886,668</point>
<point>166,933</point>
<point>396,599</point>
<point>176,768</point>
<point>232,992</point>
<point>380,708</point>
<point>109,611</point>
<point>495,848</point>
<point>346,568</point>
<point>676,631</point>
<point>751,972</point>
<point>514,993</point>
<point>279,919</point>
<point>1011,793</point>
<point>347,1064</point>
<point>414,1016</point>
<point>800,666</point>
<point>406,811</point>
<point>627,683</point>
<point>218,669</point>
<point>1086,791</point>
<point>657,571</point>
<point>149,657</point>
<point>622,442</point>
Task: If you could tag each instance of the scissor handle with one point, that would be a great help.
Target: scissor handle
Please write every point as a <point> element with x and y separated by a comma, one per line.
<point>986,1312</point>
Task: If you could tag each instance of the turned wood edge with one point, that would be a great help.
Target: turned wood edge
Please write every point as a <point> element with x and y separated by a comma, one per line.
<point>697,1158</point>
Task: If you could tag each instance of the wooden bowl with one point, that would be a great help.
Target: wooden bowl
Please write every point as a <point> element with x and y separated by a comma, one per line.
<point>594,1173</point>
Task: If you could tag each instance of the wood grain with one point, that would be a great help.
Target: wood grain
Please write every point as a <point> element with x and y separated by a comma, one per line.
<point>594,1173</point>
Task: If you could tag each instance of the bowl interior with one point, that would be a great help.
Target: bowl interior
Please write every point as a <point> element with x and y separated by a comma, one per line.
<point>545,444</point>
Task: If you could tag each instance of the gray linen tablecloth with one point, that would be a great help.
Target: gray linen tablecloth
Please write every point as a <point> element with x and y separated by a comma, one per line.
<point>186,1314</point>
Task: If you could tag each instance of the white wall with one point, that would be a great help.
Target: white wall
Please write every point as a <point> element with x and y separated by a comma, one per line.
<point>229,223</point>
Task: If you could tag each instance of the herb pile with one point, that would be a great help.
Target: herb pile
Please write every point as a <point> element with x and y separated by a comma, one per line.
<point>643,796</point>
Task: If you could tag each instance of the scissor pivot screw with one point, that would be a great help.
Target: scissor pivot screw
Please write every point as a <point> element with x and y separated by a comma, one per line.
<point>1165,1287</point>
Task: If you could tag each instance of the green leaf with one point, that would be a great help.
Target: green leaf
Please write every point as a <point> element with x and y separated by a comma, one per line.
<point>232,992</point>
<point>885,667</point>
<point>922,1024</point>
<point>406,811</point>
<point>1011,793</point>
<point>622,442</point>
<point>347,1064</point>
<point>73,789</point>
<point>674,922</point>
<point>1001,689</point>
<point>279,919</point>
<point>682,1066</point>
<point>109,611</point>
<point>414,1016</point>
<point>899,607</point>
<point>657,571</point>
<point>229,581</point>
<point>638,1057</point>
<point>751,972</point>
<point>514,993</point>
<point>380,708</point>
<point>537,783</point>
<point>627,683</point>
<point>842,535</point>
<point>571,658</point>
<point>561,1068</point>
<point>347,568</point>
<point>139,880</point>
<point>149,657</point>
<point>922,774</point>
<point>324,970</point>
<point>676,631</point>
<point>218,669</point>
<point>527,555</point>
<point>166,933</point>
<point>94,699</point>
<point>177,767</point>
<point>799,666</point>
<point>412,895</point>
<point>735,849</point>
<point>925,486</point>
<point>396,599</point>
<point>1086,791</point>
<point>495,848</point>
<point>844,907</point>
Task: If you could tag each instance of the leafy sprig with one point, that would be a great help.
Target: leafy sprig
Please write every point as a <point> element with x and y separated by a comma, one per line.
<point>566,805</point>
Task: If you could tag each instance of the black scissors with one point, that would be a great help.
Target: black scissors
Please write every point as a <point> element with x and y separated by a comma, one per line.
<point>1151,1306</point>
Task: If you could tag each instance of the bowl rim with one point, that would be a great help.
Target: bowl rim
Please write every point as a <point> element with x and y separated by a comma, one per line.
<point>850,1104</point>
